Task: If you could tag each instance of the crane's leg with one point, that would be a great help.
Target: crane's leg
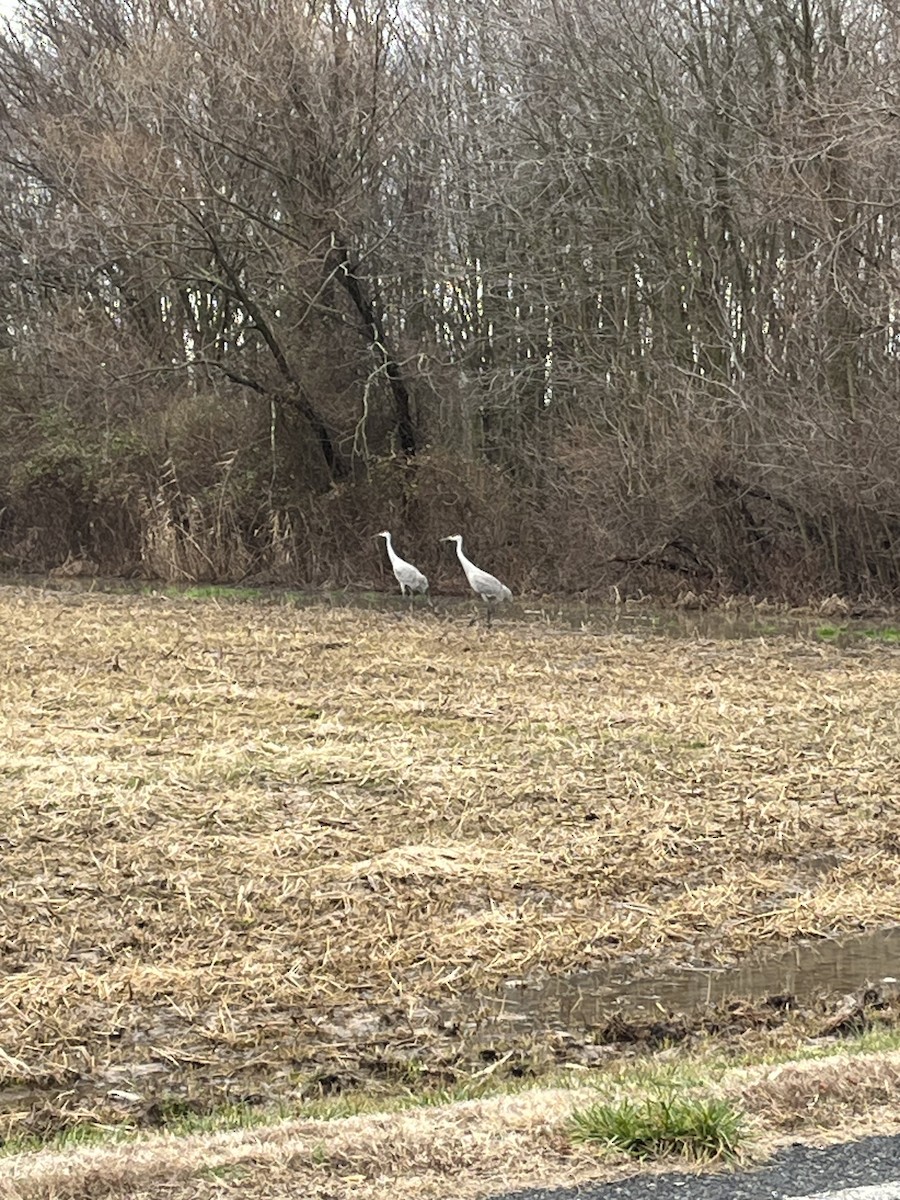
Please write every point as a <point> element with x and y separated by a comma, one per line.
<point>489,607</point>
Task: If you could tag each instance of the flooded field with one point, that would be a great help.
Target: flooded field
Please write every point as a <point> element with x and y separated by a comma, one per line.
<point>839,623</point>
<point>259,847</point>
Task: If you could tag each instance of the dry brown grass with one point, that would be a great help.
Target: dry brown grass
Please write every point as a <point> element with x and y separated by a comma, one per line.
<point>248,843</point>
<point>480,1148</point>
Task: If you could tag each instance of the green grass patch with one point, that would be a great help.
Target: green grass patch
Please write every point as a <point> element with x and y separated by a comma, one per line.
<point>831,633</point>
<point>890,636</point>
<point>178,1116</point>
<point>228,1172</point>
<point>72,1137</point>
<point>214,591</point>
<point>664,1126</point>
<point>181,1120</point>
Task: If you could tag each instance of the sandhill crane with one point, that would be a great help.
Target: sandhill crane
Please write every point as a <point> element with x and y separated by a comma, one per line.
<point>409,577</point>
<point>490,589</point>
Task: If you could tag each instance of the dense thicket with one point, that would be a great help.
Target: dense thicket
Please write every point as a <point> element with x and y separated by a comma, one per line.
<point>607,285</point>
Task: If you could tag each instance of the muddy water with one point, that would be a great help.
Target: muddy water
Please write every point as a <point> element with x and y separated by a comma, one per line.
<point>805,970</point>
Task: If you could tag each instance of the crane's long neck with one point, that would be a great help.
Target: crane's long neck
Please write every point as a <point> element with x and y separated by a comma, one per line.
<point>467,566</point>
<point>390,548</point>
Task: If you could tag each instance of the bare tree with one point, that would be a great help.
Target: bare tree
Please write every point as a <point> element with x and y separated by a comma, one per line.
<point>639,258</point>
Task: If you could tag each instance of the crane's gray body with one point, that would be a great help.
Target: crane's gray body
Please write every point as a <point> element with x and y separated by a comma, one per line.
<point>488,587</point>
<point>409,577</point>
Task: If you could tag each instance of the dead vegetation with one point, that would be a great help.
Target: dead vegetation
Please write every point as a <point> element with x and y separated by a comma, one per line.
<point>702,402</point>
<point>484,1146</point>
<point>260,852</point>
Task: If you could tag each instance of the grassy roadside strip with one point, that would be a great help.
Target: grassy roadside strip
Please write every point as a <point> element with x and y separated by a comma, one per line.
<point>417,1144</point>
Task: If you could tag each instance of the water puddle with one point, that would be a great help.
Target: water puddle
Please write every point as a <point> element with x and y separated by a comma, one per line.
<point>805,969</point>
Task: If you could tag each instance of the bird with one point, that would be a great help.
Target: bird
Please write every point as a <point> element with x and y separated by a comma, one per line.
<point>490,589</point>
<point>409,577</point>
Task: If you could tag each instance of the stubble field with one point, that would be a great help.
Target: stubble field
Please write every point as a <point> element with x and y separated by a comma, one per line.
<point>252,851</point>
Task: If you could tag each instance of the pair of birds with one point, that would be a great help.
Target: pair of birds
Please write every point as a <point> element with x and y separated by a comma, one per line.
<point>411,579</point>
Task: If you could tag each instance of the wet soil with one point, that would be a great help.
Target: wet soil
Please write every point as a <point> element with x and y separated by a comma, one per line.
<point>642,619</point>
<point>817,990</point>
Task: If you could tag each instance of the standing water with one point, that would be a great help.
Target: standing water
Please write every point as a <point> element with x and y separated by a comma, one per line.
<point>805,969</point>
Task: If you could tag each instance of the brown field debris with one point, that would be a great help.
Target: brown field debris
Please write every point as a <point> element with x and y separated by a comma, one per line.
<point>480,1147</point>
<point>255,850</point>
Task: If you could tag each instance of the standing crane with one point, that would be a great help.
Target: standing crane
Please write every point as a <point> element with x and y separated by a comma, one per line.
<point>409,577</point>
<point>490,589</point>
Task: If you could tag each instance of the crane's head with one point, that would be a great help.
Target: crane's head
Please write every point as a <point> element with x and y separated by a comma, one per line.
<point>453,537</point>
<point>384,533</point>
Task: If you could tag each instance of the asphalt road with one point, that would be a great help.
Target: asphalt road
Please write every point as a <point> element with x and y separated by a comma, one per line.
<point>871,1165</point>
